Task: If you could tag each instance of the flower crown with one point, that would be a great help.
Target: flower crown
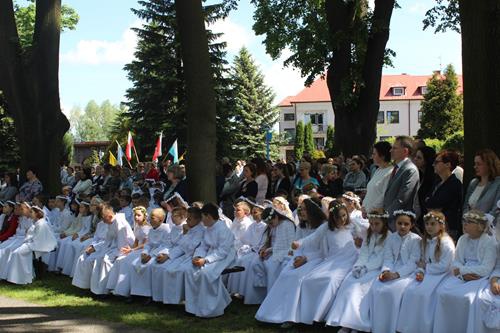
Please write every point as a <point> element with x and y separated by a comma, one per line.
<point>384,215</point>
<point>353,197</point>
<point>404,212</point>
<point>337,205</point>
<point>475,217</point>
<point>433,216</point>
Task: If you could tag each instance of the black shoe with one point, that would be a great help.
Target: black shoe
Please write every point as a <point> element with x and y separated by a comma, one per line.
<point>148,301</point>
<point>129,300</point>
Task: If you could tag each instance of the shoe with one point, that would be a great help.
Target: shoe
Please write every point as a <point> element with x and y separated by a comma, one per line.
<point>148,301</point>
<point>287,325</point>
<point>129,300</point>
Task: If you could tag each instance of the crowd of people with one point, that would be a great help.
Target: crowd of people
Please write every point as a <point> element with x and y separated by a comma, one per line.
<point>385,244</point>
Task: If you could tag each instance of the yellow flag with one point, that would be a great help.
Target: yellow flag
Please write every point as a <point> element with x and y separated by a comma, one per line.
<point>182,156</point>
<point>112,159</point>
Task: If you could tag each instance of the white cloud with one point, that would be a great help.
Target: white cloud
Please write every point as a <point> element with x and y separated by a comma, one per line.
<point>97,52</point>
<point>235,35</point>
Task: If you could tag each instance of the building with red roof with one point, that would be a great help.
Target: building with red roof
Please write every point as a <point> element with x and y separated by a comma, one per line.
<point>400,100</point>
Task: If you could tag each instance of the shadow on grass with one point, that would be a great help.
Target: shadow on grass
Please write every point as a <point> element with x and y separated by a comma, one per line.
<point>56,291</point>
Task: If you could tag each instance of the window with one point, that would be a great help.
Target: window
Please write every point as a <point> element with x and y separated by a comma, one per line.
<point>423,90</point>
<point>319,143</point>
<point>393,117</point>
<point>419,116</point>
<point>381,117</point>
<point>398,91</point>
<point>289,116</point>
<point>289,134</point>
<point>316,119</point>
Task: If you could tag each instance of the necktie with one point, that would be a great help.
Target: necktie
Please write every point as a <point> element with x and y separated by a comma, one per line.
<point>394,170</point>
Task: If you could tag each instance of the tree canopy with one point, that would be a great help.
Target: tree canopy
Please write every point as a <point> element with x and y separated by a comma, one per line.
<point>95,122</point>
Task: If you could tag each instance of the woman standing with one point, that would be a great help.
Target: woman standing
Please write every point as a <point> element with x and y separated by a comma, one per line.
<point>10,190</point>
<point>424,160</point>
<point>377,185</point>
<point>248,186</point>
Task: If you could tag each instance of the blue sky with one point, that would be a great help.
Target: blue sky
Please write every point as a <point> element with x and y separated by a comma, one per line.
<point>93,56</point>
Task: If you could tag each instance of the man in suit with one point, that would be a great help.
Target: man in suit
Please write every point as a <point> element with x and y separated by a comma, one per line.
<point>403,184</point>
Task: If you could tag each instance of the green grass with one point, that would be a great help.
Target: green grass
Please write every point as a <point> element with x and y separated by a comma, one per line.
<point>57,292</point>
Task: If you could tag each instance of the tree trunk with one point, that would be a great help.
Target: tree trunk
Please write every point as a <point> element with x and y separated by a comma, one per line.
<point>480,26</point>
<point>201,115</point>
<point>30,83</point>
<point>356,121</point>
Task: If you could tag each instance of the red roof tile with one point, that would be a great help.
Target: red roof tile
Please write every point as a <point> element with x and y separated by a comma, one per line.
<point>318,91</point>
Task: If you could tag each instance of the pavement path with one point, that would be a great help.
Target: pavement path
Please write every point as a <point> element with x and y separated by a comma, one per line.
<point>20,316</point>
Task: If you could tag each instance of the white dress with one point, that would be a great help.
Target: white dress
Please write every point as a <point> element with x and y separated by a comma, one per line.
<point>171,273</point>
<point>319,287</point>
<point>242,282</point>
<point>351,307</point>
<point>206,295</point>
<point>486,311</point>
<point>375,189</point>
<point>121,265</point>
<point>7,247</point>
<point>66,219</point>
<point>67,261</point>
<point>455,296</point>
<point>282,302</point>
<point>140,275</point>
<point>401,255</point>
<point>92,270</point>
<point>267,271</point>
<point>39,239</point>
<point>238,228</point>
<point>359,225</point>
<point>419,300</point>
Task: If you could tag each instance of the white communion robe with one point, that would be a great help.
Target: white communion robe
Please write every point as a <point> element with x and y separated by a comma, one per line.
<point>486,311</point>
<point>141,274</point>
<point>67,253</point>
<point>238,228</point>
<point>78,247</point>
<point>418,305</point>
<point>320,286</point>
<point>401,255</point>
<point>66,219</point>
<point>39,239</point>
<point>359,225</point>
<point>170,274</point>
<point>7,247</point>
<point>242,282</point>
<point>351,308</point>
<point>119,270</point>
<point>266,271</point>
<point>92,270</point>
<point>455,297</point>
<point>206,295</point>
<point>282,302</point>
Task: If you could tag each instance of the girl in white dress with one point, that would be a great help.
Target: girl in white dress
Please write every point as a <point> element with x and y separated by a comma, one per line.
<point>352,304</point>
<point>359,225</point>
<point>241,222</point>
<point>282,302</point>
<point>274,254</point>
<point>401,254</point>
<point>475,258</point>
<point>419,300</point>
<point>338,253</point>
<point>241,283</point>
<point>119,271</point>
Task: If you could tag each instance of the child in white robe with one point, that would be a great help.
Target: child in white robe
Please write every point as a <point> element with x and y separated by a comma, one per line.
<point>358,225</point>
<point>475,258</point>
<point>39,239</point>
<point>252,240</point>
<point>241,222</point>
<point>282,302</point>
<point>92,268</point>
<point>206,295</point>
<point>401,254</point>
<point>140,275</point>
<point>419,300</point>
<point>274,255</point>
<point>126,209</point>
<point>351,308</point>
<point>170,268</point>
<point>119,277</point>
<point>68,225</point>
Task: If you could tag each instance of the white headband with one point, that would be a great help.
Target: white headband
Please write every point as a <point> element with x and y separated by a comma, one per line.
<point>404,212</point>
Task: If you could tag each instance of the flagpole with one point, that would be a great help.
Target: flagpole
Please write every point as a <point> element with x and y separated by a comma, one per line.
<point>136,156</point>
<point>118,145</point>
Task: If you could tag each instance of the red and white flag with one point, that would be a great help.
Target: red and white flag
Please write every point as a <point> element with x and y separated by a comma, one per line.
<point>128,149</point>
<point>158,148</point>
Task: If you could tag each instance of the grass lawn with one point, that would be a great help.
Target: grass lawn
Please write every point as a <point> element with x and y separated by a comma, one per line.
<point>57,291</point>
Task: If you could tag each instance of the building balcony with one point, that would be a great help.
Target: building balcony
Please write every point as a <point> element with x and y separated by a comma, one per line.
<point>318,128</point>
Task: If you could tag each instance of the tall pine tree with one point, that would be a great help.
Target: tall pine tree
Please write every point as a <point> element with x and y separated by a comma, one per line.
<point>308,139</point>
<point>298,148</point>
<point>157,100</point>
<point>254,110</point>
<point>442,108</point>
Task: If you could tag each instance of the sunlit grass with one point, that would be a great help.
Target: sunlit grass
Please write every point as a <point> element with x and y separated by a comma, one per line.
<point>57,291</point>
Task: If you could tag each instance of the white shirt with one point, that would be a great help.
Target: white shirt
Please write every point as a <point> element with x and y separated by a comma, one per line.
<point>376,187</point>
<point>474,197</point>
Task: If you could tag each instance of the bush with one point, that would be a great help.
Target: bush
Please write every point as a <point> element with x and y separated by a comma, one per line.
<point>434,143</point>
<point>455,142</point>
<point>317,154</point>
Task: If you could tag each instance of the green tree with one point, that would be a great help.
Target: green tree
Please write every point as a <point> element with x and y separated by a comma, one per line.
<point>9,158</point>
<point>330,141</point>
<point>299,141</point>
<point>29,68</point>
<point>442,108</point>
<point>254,110</point>
<point>347,38</point>
<point>67,149</point>
<point>157,100</point>
<point>308,139</point>
<point>95,123</point>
